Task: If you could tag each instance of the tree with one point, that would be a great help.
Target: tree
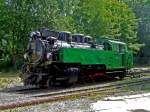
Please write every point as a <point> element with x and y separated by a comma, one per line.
<point>65,17</point>
<point>142,9</point>
<point>109,18</point>
<point>18,18</point>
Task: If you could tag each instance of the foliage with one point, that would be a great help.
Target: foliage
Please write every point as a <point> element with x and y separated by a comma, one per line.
<point>142,11</point>
<point>110,18</point>
<point>18,18</point>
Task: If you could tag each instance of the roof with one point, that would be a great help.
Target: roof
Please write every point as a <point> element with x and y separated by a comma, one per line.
<point>117,42</point>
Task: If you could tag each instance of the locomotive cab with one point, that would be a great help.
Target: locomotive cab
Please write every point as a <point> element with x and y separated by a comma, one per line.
<point>124,56</point>
<point>117,46</point>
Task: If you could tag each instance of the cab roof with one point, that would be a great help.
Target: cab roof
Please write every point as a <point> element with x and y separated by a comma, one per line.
<point>117,42</point>
<point>110,40</point>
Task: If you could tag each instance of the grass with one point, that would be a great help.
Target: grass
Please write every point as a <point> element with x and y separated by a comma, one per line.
<point>9,79</point>
<point>8,74</point>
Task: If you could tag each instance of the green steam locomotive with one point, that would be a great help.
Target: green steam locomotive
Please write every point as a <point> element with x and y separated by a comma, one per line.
<point>55,58</point>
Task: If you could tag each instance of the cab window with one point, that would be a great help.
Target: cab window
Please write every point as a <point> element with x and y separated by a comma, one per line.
<point>121,48</point>
<point>107,46</point>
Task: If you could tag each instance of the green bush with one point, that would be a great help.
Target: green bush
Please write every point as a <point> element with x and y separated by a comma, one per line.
<point>5,62</point>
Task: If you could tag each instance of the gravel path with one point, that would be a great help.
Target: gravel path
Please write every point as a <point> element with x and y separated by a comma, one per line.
<point>12,97</point>
<point>80,105</point>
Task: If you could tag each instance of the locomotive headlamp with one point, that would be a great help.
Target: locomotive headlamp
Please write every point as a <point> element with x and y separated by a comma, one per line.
<point>49,56</point>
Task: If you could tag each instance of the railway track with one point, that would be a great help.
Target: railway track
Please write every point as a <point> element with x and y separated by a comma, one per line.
<point>94,88</point>
<point>135,72</point>
<point>77,92</point>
